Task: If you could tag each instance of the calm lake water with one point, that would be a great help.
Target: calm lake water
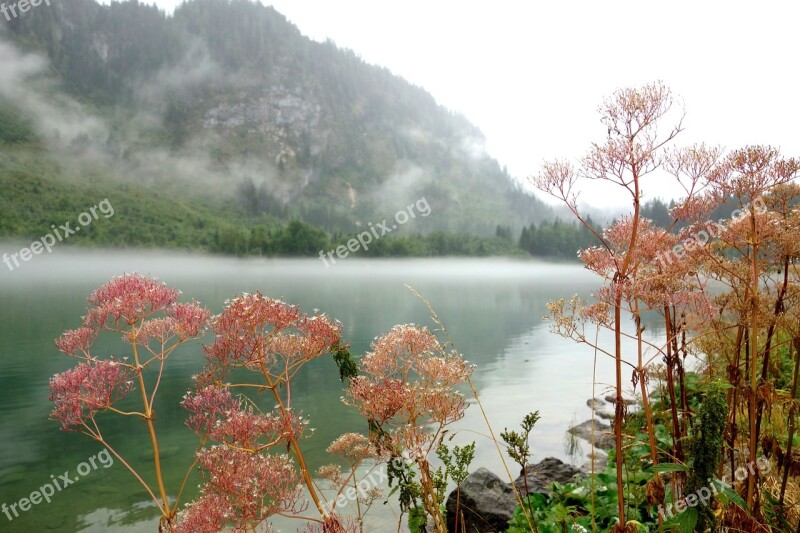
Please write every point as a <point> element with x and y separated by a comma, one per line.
<point>491,307</point>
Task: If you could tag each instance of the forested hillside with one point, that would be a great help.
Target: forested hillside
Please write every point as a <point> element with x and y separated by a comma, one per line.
<point>225,103</point>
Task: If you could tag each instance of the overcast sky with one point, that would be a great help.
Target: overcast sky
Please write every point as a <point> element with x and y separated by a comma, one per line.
<point>531,74</point>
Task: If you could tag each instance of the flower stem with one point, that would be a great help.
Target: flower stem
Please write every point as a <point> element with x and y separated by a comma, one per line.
<point>148,412</point>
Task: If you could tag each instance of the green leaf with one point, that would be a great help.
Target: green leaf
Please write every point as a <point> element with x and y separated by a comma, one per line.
<point>731,495</point>
<point>344,360</point>
<point>538,500</point>
<point>685,521</point>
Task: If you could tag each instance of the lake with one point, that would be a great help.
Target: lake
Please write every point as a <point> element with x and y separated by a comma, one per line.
<point>492,309</point>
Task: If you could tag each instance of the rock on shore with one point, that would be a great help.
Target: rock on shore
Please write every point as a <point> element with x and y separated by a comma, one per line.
<point>487,502</point>
<point>603,438</point>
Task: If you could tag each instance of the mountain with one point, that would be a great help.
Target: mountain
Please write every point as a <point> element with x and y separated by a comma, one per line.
<point>226,104</point>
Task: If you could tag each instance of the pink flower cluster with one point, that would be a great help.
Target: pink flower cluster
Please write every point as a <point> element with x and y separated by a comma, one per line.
<point>77,340</point>
<point>273,338</point>
<point>241,487</point>
<point>188,320</point>
<point>217,414</point>
<point>130,301</point>
<point>380,400</point>
<point>207,514</point>
<point>129,298</point>
<point>409,379</point>
<point>255,330</point>
<point>182,321</point>
<point>656,283</point>
<point>89,387</point>
<point>411,350</point>
<point>208,406</point>
<point>244,483</point>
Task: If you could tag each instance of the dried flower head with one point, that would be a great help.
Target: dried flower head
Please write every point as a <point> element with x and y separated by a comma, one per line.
<point>409,381</point>
<point>129,299</point>
<point>189,319</point>
<point>208,514</point>
<point>255,485</point>
<point>208,405</point>
<point>332,473</point>
<point>255,330</point>
<point>89,387</point>
<point>354,447</point>
<point>77,340</point>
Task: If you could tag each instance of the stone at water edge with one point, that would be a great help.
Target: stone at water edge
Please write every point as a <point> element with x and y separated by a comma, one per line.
<point>603,438</point>
<point>601,408</point>
<point>595,403</point>
<point>543,474</point>
<point>612,398</point>
<point>487,502</point>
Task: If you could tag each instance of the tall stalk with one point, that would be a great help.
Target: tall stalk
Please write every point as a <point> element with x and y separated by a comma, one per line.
<point>792,415</point>
<point>670,363</point>
<point>642,373</point>
<point>734,377</point>
<point>753,367</point>
<point>619,403</point>
<point>681,360</point>
<point>777,311</point>
<point>148,417</point>
<point>295,447</point>
<point>648,410</point>
<point>634,148</point>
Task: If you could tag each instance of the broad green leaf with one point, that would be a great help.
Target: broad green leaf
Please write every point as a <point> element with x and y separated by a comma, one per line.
<point>685,521</point>
<point>731,495</point>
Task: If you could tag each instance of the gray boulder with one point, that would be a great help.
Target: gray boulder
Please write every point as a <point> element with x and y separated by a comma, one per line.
<point>601,409</point>
<point>603,438</point>
<point>595,403</point>
<point>487,503</point>
<point>611,398</point>
<point>542,475</point>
